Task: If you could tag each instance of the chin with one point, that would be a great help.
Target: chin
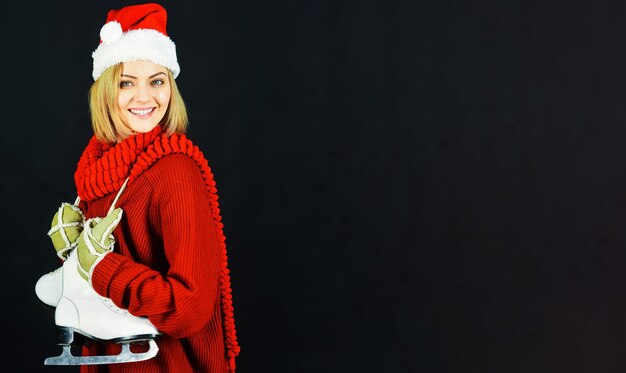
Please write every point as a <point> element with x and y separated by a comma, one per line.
<point>143,129</point>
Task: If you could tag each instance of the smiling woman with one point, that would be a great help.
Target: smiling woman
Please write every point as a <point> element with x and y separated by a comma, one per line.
<point>143,245</point>
<point>147,95</point>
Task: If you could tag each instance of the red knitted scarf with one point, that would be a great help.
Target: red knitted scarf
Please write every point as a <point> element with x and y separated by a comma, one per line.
<point>103,168</point>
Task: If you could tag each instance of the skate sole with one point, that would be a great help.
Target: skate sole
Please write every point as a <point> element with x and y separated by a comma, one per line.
<point>65,338</point>
<point>125,356</point>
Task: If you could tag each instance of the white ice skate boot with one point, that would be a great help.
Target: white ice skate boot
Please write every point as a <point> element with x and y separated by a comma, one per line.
<point>49,287</point>
<point>82,310</point>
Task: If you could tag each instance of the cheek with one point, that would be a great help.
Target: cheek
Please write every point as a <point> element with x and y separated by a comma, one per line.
<point>163,98</point>
<point>122,100</point>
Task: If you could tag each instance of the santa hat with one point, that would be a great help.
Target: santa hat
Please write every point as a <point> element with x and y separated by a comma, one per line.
<point>135,32</point>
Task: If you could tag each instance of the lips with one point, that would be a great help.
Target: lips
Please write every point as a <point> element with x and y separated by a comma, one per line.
<point>142,112</point>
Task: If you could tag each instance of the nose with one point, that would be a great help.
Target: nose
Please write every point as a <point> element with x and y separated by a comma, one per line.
<point>142,93</point>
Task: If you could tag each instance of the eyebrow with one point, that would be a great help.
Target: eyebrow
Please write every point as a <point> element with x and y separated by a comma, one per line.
<point>150,77</point>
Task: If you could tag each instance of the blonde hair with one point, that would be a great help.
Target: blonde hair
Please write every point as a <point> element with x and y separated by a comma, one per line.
<point>106,120</point>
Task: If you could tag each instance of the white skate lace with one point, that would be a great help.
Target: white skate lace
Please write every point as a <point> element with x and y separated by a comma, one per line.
<point>109,303</point>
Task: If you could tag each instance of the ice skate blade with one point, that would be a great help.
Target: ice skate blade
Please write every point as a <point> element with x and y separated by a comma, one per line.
<point>125,356</point>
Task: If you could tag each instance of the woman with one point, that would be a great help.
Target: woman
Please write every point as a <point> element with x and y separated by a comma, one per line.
<point>141,179</point>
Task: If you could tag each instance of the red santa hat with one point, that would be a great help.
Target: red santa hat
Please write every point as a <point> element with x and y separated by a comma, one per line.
<point>135,32</point>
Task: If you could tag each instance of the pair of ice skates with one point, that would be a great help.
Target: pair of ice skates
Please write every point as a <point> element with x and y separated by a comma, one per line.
<point>79,309</point>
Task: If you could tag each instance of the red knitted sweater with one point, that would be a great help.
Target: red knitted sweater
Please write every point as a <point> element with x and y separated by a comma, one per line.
<point>169,261</point>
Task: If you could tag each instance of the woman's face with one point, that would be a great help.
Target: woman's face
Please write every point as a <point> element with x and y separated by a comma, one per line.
<point>144,95</point>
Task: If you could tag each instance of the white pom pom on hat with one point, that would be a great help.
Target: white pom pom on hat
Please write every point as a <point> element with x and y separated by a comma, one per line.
<point>111,32</point>
<point>136,32</point>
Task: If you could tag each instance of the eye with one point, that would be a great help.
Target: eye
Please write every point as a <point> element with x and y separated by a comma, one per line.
<point>158,82</point>
<point>126,84</point>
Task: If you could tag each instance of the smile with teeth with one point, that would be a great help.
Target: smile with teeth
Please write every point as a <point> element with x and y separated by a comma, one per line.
<point>141,112</point>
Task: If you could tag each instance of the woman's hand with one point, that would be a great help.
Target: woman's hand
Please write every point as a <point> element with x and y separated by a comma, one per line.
<point>95,241</point>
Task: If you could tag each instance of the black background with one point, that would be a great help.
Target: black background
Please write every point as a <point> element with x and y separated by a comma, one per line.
<point>406,186</point>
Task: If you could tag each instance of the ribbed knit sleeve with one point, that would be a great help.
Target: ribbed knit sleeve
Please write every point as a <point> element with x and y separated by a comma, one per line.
<point>178,288</point>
